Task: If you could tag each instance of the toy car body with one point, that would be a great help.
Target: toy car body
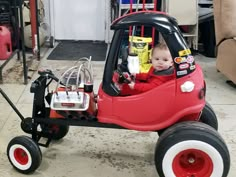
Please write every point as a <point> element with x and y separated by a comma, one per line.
<point>164,105</point>
<point>177,110</point>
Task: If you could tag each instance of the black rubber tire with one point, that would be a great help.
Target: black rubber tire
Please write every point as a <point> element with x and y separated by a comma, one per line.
<point>24,154</point>
<point>59,131</point>
<point>208,116</point>
<point>26,125</point>
<point>184,137</point>
<point>159,132</point>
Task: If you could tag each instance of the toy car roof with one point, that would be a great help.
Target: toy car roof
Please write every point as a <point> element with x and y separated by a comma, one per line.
<point>163,22</point>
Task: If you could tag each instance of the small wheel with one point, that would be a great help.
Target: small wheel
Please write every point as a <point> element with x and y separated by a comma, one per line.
<point>26,125</point>
<point>56,132</point>
<point>208,116</point>
<point>24,154</point>
<point>191,149</point>
<point>59,131</point>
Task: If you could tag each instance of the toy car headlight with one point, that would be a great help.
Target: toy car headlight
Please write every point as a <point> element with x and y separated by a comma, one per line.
<point>188,86</point>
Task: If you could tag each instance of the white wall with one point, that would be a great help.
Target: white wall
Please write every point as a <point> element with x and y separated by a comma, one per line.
<point>77,19</point>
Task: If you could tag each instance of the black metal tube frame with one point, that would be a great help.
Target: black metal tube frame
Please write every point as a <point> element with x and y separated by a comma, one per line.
<point>25,69</point>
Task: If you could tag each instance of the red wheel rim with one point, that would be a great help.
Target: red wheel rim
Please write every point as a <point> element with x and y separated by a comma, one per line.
<point>21,156</point>
<point>192,163</point>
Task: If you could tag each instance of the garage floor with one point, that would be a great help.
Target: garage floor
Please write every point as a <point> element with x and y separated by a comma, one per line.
<point>90,152</point>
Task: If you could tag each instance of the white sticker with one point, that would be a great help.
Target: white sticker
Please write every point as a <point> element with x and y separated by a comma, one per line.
<point>192,67</point>
<point>190,59</point>
<point>183,66</point>
<point>180,73</point>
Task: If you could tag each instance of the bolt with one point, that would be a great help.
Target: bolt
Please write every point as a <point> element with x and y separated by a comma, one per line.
<point>191,160</point>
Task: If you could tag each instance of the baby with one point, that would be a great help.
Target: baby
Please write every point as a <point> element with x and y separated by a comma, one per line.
<point>162,70</point>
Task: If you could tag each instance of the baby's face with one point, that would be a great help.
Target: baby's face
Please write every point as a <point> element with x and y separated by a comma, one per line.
<point>161,59</point>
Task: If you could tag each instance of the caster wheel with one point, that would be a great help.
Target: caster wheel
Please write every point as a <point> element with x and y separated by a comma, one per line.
<point>59,131</point>
<point>56,132</point>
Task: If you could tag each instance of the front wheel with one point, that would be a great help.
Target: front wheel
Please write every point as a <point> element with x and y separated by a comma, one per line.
<point>191,149</point>
<point>24,154</point>
<point>208,116</point>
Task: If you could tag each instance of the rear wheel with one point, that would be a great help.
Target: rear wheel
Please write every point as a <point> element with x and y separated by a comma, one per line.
<point>24,154</point>
<point>208,116</point>
<point>191,149</point>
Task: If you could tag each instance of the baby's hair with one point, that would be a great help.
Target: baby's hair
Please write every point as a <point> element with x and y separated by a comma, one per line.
<point>161,46</point>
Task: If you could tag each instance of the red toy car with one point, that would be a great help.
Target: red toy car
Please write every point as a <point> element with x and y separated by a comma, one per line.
<point>189,144</point>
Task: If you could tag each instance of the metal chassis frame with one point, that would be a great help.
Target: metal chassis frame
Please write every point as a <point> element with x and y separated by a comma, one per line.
<point>40,114</point>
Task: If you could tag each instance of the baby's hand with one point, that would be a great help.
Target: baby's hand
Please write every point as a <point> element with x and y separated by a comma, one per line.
<point>126,75</point>
<point>132,76</point>
<point>131,85</point>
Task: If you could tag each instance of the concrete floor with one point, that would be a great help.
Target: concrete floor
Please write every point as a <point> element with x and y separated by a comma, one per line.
<point>90,152</point>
